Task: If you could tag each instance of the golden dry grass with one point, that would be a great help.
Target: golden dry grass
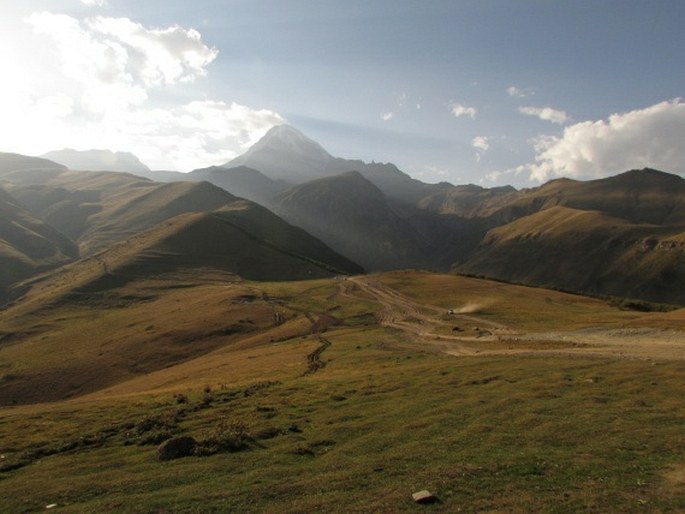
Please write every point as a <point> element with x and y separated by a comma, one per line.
<point>387,414</point>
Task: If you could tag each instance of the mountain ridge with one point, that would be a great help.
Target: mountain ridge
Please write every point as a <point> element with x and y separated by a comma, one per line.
<point>97,160</point>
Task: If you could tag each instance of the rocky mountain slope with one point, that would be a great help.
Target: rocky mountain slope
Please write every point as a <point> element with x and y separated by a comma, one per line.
<point>287,155</point>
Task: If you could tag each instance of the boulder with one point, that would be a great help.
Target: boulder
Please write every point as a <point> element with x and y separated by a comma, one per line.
<point>424,497</point>
<point>176,447</point>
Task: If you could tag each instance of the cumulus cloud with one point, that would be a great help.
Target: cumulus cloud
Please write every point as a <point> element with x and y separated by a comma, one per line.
<point>155,55</point>
<point>480,143</point>
<point>546,114</point>
<point>114,61</point>
<point>112,83</point>
<point>650,137</point>
<point>460,110</point>
<point>517,92</point>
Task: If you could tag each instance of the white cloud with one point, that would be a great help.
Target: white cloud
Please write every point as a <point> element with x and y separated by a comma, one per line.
<point>115,61</point>
<point>98,3</point>
<point>650,137</point>
<point>517,92</point>
<point>504,176</point>
<point>480,143</point>
<point>546,114</point>
<point>155,55</point>
<point>54,106</point>
<point>112,83</point>
<point>460,110</point>
<point>387,116</point>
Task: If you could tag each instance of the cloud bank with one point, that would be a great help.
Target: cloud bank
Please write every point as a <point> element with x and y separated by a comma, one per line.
<point>115,83</point>
<point>651,137</point>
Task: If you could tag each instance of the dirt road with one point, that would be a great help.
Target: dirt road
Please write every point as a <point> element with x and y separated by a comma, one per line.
<point>464,334</point>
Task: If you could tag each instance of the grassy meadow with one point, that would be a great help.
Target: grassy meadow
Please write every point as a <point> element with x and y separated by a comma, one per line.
<point>334,411</point>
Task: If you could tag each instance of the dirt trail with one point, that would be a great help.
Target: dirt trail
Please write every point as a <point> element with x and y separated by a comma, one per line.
<point>430,323</point>
<point>468,334</point>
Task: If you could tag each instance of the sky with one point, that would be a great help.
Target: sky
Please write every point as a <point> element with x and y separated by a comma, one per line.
<point>490,92</point>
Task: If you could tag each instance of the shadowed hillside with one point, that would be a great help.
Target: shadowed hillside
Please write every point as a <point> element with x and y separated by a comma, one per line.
<point>27,245</point>
<point>241,181</point>
<point>638,196</point>
<point>97,209</point>
<point>13,162</point>
<point>224,247</point>
<point>242,238</point>
<point>468,201</point>
<point>353,216</point>
<point>622,236</point>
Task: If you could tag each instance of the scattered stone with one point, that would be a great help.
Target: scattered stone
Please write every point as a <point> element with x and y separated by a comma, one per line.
<point>483,381</point>
<point>424,497</point>
<point>303,450</point>
<point>269,433</point>
<point>51,506</point>
<point>176,448</point>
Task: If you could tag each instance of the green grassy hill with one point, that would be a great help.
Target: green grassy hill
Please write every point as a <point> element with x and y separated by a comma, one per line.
<point>638,196</point>
<point>97,209</point>
<point>619,236</point>
<point>241,241</point>
<point>306,396</point>
<point>586,251</point>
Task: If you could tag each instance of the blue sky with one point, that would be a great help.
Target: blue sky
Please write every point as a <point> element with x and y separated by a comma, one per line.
<point>489,92</point>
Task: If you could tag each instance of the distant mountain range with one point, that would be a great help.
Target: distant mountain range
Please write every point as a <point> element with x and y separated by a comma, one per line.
<point>97,160</point>
<point>622,236</point>
<point>137,227</point>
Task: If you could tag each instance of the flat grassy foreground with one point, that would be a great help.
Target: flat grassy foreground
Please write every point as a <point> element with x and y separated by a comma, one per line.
<point>378,418</point>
